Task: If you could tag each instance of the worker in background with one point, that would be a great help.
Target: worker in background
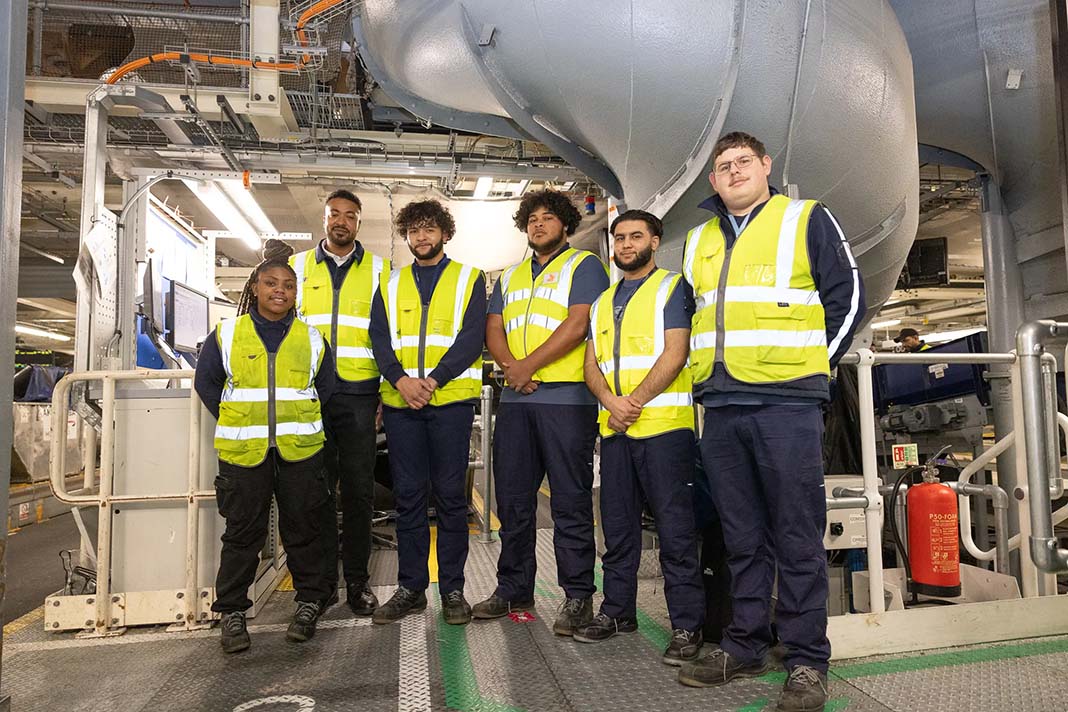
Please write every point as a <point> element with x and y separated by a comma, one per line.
<point>539,317</point>
<point>265,375</point>
<point>909,341</point>
<point>778,299</point>
<point>636,368</point>
<point>428,324</point>
<point>335,284</point>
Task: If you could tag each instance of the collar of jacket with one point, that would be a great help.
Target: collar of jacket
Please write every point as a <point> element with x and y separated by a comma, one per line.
<point>716,205</point>
<point>320,251</point>
<point>260,320</point>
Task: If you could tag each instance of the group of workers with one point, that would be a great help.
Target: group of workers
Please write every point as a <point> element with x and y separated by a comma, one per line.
<point>767,302</point>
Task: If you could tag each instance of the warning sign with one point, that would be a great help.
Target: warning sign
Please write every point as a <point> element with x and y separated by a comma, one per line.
<point>906,455</point>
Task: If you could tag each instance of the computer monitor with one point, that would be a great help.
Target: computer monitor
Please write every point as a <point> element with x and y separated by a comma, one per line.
<point>151,301</point>
<point>187,317</point>
<point>927,264</point>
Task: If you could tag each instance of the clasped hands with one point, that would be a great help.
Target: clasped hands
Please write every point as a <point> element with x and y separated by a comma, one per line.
<point>416,391</point>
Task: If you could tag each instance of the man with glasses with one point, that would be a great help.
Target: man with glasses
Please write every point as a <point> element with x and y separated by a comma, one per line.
<point>778,298</point>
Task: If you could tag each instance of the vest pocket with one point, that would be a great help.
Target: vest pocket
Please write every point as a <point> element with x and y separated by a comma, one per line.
<point>781,333</point>
<point>235,413</point>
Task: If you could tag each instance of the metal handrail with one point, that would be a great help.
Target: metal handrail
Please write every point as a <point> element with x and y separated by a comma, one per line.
<point>105,497</point>
<point>486,535</point>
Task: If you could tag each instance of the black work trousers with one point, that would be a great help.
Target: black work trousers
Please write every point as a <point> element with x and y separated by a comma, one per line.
<point>244,498</point>
<point>350,461</point>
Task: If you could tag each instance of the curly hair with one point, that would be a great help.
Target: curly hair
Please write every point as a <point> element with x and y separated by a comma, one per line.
<point>425,213</point>
<point>275,254</point>
<point>555,202</point>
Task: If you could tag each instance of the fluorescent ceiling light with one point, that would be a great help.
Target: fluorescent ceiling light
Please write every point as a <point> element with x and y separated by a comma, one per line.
<point>885,324</point>
<point>246,203</point>
<point>223,208</point>
<point>520,187</point>
<point>940,336</point>
<point>34,331</point>
<point>483,186</point>
<point>217,234</point>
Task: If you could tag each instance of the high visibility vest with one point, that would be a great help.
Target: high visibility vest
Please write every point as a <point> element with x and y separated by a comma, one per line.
<point>343,315</point>
<point>421,337</point>
<point>269,400</point>
<point>758,310</point>
<point>627,350</point>
<point>535,308</point>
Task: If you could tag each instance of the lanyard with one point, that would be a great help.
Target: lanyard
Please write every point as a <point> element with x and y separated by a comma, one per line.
<point>739,227</point>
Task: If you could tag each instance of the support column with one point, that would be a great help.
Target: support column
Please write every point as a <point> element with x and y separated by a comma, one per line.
<point>13,16</point>
<point>1004,315</point>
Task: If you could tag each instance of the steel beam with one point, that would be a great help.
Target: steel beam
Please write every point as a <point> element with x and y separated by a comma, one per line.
<point>1058,26</point>
<point>13,15</point>
<point>89,8</point>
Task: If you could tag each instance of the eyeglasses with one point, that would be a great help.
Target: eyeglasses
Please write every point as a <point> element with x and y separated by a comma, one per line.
<point>743,162</point>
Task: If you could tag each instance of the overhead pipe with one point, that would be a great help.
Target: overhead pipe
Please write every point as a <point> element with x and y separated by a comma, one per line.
<point>91,9</point>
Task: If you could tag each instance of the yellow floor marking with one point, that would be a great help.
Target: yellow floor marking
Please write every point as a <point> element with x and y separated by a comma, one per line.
<point>476,499</point>
<point>544,489</point>
<point>34,616</point>
<point>432,561</point>
<point>286,584</point>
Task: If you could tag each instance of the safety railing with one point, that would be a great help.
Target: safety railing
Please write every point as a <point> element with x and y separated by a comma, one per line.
<point>105,498</point>
<point>486,535</point>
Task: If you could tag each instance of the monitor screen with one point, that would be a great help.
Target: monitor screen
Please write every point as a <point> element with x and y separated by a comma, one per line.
<point>927,264</point>
<point>188,312</point>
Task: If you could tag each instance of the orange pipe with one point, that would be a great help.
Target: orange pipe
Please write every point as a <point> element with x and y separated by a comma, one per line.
<point>316,9</point>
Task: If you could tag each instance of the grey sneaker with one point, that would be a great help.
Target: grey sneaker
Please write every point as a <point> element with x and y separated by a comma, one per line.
<point>455,608</point>
<point>303,626</point>
<point>574,614</point>
<point>805,691</point>
<point>603,627</point>
<point>496,607</point>
<point>684,647</point>
<point>234,636</point>
<point>403,602</point>
<point>719,668</point>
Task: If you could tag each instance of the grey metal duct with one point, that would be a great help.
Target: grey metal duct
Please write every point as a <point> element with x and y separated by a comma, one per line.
<point>636,93</point>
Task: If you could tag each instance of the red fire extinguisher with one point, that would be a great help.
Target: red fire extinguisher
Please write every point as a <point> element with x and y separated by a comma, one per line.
<point>934,551</point>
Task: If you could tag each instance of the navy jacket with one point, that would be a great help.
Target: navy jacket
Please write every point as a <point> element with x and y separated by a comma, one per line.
<point>210,377</point>
<point>841,291</point>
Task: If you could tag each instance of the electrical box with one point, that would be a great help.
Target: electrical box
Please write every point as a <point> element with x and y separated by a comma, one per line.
<point>845,527</point>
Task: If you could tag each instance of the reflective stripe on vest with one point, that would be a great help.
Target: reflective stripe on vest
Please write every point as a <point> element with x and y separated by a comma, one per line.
<point>765,322</point>
<point>535,308</point>
<point>269,399</point>
<point>343,316</point>
<point>641,343</point>
<point>435,332</point>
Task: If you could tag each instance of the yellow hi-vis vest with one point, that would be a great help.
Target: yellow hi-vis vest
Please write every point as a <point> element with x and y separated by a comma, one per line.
<point>269,400</point>
<point>421,337</point>
<point>342,316</point>
<point>758,311</point>
<point>535,308</point>
<point>627,354</point>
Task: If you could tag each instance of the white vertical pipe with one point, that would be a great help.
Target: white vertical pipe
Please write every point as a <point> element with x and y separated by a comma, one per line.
<point>1028,572</point>
<point>107,481</point>
<point>192,531</point>
<point>88,455</point>
<point>873,519</point>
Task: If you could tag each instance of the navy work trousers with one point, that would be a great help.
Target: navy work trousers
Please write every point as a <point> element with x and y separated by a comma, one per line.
<point>658,470</point>
<point>349,455</point>
<point>428,452</point>
<point>530,440</point>
<point>765,470</point>
<point>244,498</point>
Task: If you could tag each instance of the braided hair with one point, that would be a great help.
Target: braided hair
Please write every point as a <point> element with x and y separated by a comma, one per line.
<point>275,254</point>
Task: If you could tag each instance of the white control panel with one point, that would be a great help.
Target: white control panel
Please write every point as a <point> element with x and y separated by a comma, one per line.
<point>845,527</point>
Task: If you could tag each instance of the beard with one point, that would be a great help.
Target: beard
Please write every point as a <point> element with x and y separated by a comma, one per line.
<point>640,260</point>
<point>342,237</point>
<point>548,248</point>
<point>433,252</point>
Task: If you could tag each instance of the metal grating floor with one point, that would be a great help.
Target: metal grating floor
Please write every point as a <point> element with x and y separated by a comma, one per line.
<point>488,666</point>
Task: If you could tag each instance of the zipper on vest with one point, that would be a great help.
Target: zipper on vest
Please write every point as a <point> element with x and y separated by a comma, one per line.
<point>721,294</point>
<point>617,337</point>
<point>272,417</point>
<point>422,338</point>
<point>333,323</point>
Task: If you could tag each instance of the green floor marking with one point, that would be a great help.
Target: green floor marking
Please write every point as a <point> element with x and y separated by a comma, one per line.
<point>961,657</point>
<point>837,704</point>
<point>458,673</point>
<point>754,706</point>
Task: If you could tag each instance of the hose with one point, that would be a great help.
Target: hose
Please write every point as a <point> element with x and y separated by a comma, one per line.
<point>897,535</point>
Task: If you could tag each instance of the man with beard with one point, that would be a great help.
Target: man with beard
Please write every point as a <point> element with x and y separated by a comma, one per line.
<point>428,322</point>
<point>547,422</point>
<point>778,298</point>
<point>636,367</point>
<point>335,283</point>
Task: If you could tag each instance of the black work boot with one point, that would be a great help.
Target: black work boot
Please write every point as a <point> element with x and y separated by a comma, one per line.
<point>805,690</point>
<point>603,627</point>
<point>328,601</point>
<point>234,636</point>
<point>574,614</point>
<point>303,626</point>
<point>684,647</point>
<point>719,668</point>
<point>495,607</point>
<point>403,602</point>
<point>361,598</point>
<point>455,609</point>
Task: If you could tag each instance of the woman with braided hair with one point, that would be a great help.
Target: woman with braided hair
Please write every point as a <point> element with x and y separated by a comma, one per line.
<point>264,375</point>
